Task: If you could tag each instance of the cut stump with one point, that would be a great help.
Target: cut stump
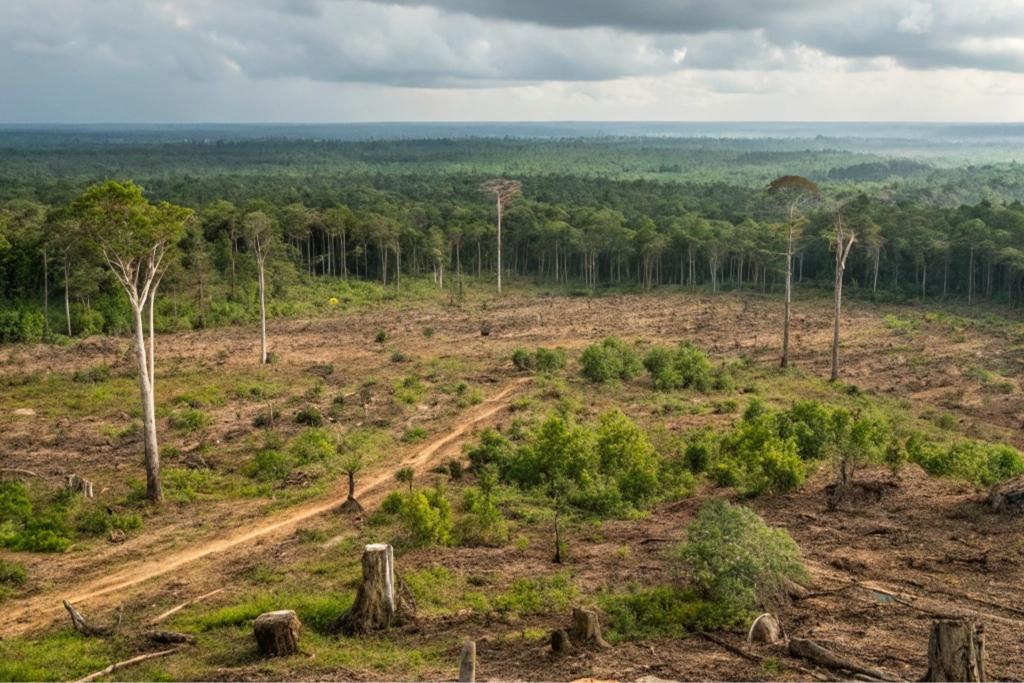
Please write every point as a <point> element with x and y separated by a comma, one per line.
<point>560,643</point>
<point>380,602</point>
<point>765,629</point>
<point>586,628</point>
<point>277,633</point>
<point>956,651</point>
<point>467,663</point>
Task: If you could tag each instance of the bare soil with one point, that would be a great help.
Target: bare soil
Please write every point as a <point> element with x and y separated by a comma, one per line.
<point>883,566</point>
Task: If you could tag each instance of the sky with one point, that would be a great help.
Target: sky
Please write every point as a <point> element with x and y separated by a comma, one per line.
<point>190,61</point>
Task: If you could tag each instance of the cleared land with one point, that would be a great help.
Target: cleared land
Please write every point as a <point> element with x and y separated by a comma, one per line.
<point>927,541</point>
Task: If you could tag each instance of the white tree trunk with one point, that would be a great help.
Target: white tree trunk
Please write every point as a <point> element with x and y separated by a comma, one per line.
<point>153,489</point>
<point>263,314</point>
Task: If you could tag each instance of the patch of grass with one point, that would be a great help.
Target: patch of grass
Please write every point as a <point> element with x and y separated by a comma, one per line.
<point>12,573</point>
<point>189,420</point>
<point>659,612</point>
<point>310,416</point>
<point>542,595</point>
<point>410,390</point>
<point>414,435</point>
<point>184,485</point>
<point>59,656</point>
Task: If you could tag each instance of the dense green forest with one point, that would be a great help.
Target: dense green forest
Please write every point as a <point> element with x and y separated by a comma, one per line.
<point>595,212</point>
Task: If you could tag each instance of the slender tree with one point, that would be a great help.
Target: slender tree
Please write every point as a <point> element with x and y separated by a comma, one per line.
<point>794,193</point>
<point>135,238</point>
<point>259,231</point>
<point>504,191</point>
<point>842,239</point>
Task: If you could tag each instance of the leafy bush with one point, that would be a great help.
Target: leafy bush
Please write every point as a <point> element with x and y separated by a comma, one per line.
<point>269,465</point>
<point>542,360</point>
<point>21,326</point>
<point>981,463</point>
<point>312,445</point>
<point>12,573</point>
<point>738,562</point>
<point>753,458</point>
<point>414,435</point>
<point>481,522</point>
<point>310,416</point>
<point>25,526</point>
<point>684,367</point>
<point>659,612</point>
<point>611,359</point>
<point>188,420</point>
<point>92,518</point>
<point>427,518</point>
<point>610,469</point>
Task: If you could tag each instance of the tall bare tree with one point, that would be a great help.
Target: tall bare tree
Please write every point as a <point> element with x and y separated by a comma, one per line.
<point>135,237</point>
<point>795,193</point>
<point>259,230</point>
<point>504,191</point>
<point>842,239</point>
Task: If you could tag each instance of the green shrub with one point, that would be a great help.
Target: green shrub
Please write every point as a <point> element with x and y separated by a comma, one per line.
<point>21,326</point>
<point>381,336</point>
<point>12,573</point>
<point>611,359</point>
<point>188,420</point>
<point>312,445</point>
<point>94,519</point>
<point>24,526</point>
<point>414,435</point>
<point>269,465</point>
<point>94,375</point>
<point>427,518</point>
<point>309,416</point>
<point>481,522</point>
<point>754,459</point>
<point>659,612</point>
<point>542,360</point>
<point>492,449</point>
<point>737,562</point>
<point>685,366</point>
<point>392,504</point>
<point>700,451</point>
<point>973,461</point>
<point>810,424</point>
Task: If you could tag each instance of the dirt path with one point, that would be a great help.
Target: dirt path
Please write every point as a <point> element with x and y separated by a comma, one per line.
<point>40,610</point>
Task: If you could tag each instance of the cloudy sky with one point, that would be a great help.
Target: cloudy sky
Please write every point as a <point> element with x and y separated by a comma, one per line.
<point>457,60</point>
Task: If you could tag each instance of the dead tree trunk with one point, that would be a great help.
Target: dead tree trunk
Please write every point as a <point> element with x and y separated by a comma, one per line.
<point>467,663</point>
<point>277,633</point>
<point>956,651</point>
<point>85,628</point>
<point>586,628</point>
<point>380,602</point>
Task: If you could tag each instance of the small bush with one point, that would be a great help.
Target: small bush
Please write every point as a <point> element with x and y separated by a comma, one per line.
<point>269,465</point>
<point>94,375</point>
<point>427,518</point>
<point>189,420</point>
<point>312,445</point>
<point>381,336</point>
<point>738,562</point>
<point>977,462</point>
<point>659,612</point>
<point>309,416</point>
<point>542,360</point>
<point>414,435</point>
<point>684,367</point>
<point>611,359</point>
<point>12,573</point>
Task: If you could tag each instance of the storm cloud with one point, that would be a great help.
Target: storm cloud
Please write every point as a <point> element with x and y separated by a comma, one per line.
<point>169,60</point>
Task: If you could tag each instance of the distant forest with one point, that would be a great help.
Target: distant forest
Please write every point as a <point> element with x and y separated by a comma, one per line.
<point>595,212</point>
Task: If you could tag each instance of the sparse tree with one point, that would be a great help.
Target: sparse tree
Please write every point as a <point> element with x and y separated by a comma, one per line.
<point>259,231</point>
<point>405,476</point>
<point>842,238</point>
<point>504,191</point>
<point>794,193</point>
<point>135,237</point>
<point>352,464</point>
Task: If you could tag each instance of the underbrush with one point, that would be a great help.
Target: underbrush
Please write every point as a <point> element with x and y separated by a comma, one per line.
<point>607,469</point>
<point>542,360</point>
<point>612,359</point>
<point>43,521</point>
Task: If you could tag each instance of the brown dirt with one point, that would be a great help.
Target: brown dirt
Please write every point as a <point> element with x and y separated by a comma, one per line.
<point>928,542</point>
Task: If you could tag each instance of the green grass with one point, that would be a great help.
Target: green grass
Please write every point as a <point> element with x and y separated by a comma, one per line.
<point>57,656</point>
<point>185,485</point>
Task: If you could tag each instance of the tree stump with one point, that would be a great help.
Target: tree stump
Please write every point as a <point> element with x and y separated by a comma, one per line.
<point>379,601</point>
<point>1008,495</point>
<point>76,484</point>
<point>277,633</point>
<point>467,663</point>
<point>560,643</point>
<point>956,651</point>
<point>765,629</point>
<point>586,628</point>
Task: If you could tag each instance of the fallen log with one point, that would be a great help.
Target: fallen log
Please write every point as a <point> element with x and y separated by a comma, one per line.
<point>126,663</point>
<point>812,651</point>
<point>82,625</point>
<point>16,471</point>
<point>168,637</point>
<point>726,645</point>
<point>177,608</point>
